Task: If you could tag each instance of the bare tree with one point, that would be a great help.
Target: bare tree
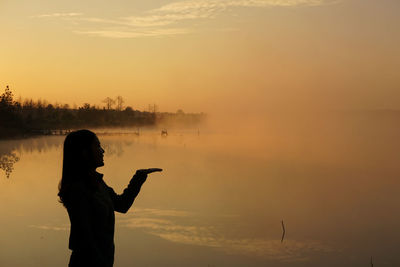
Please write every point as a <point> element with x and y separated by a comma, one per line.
<point>109,102</point>
<point>120,101</point>
<point>153,108</point>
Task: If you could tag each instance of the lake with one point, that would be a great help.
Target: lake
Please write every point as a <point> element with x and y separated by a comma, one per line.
<point>333,181</point>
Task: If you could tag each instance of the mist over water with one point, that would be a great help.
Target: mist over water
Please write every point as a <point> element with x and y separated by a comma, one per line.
<point>332,177</point>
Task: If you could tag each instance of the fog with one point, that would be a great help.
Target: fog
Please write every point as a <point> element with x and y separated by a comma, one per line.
<point>227,184</point>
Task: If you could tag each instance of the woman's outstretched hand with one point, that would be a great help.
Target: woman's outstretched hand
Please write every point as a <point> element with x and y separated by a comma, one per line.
<point>147,171</point>
<point>141,174</point>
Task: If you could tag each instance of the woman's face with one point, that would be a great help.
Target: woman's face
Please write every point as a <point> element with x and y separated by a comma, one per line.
<point>97,153</point>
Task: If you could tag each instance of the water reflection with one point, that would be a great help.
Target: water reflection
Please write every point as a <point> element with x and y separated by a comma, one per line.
<point>222,197</point>
<point>7,162</point>
<point>114,145</point>
<point>11,151</point>
<point>188,228</point>
<point>52,228</point>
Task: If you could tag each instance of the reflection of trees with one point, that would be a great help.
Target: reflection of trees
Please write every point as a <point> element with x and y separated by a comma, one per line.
<point>39,144</point>
<point>7,162</point>
<point>114,149</point>
<point>8,156</point>
<point>12,150</point>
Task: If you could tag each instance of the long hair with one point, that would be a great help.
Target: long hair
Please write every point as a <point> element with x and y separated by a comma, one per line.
<point>74,164</point>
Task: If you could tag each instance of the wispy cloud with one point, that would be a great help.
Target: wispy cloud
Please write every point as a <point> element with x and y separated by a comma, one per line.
<point>133,33</point>
<point>163,21</point>
<point>209,7</point>
<point>179,227</point>
<point>58,15</point>
<point>49,227</point>
<point>168,213</point>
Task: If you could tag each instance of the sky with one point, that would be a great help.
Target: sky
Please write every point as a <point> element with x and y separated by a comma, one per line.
<point>242,56</point>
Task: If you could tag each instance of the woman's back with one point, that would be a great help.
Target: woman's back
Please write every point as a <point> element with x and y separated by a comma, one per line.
<point>91,213</point>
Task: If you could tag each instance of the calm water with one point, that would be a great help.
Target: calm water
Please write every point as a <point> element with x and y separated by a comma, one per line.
<point>222,196</point>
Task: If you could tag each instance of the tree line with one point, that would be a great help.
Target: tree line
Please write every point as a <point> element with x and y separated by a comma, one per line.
<point>24,117</point>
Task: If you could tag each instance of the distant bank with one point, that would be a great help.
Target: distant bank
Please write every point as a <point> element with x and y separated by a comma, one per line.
<point>28,117</point>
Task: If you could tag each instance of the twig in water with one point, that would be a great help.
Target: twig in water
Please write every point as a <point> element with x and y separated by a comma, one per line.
<point>372,264</point>
<point>283,231</point>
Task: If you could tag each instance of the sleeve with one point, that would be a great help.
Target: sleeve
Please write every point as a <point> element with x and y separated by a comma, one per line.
<point>81,236</point>
<point>123,202</point>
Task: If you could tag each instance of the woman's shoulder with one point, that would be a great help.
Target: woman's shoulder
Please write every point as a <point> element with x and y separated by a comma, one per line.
<point>78,190</point>
<point>78,194</point>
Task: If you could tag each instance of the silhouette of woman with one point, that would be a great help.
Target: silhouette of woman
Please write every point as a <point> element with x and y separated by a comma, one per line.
<point>90,202</point>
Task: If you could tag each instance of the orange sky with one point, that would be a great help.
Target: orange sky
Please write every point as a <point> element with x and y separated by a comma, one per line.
<point>204,55</point>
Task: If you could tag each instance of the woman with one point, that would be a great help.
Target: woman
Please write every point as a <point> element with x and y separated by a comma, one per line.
<point>90,202</point>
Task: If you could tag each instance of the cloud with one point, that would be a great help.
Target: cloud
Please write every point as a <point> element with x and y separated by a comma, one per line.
<point>52,228</point>
<point>58,15</point>
<point>133,34</point>
<point>183,227</point>
<point>162,21</point>
<point>169,213</point>
<point>210,7</point>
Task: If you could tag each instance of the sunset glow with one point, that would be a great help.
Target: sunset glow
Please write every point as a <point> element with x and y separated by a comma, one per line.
<point>258,133</point>
<point>204,55</point>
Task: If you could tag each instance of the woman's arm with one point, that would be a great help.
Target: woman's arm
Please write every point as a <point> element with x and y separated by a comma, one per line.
<point>123,202</point>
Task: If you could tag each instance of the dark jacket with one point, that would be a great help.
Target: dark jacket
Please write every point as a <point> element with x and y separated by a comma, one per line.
<point>91,209</point>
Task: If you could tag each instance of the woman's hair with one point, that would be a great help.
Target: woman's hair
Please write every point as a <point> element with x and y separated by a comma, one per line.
<point>74,163</point>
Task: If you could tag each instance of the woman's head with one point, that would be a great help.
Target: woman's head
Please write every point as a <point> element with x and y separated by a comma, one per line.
<point>82,153</point>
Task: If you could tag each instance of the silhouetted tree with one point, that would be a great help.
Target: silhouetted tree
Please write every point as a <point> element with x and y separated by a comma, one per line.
<point>153,108</point>
<point>86,106</point>
<point>120,101</point>
<point>129,109</point>
<point>109,102</point>
<point>29,116</point>
<point>6,99</point>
